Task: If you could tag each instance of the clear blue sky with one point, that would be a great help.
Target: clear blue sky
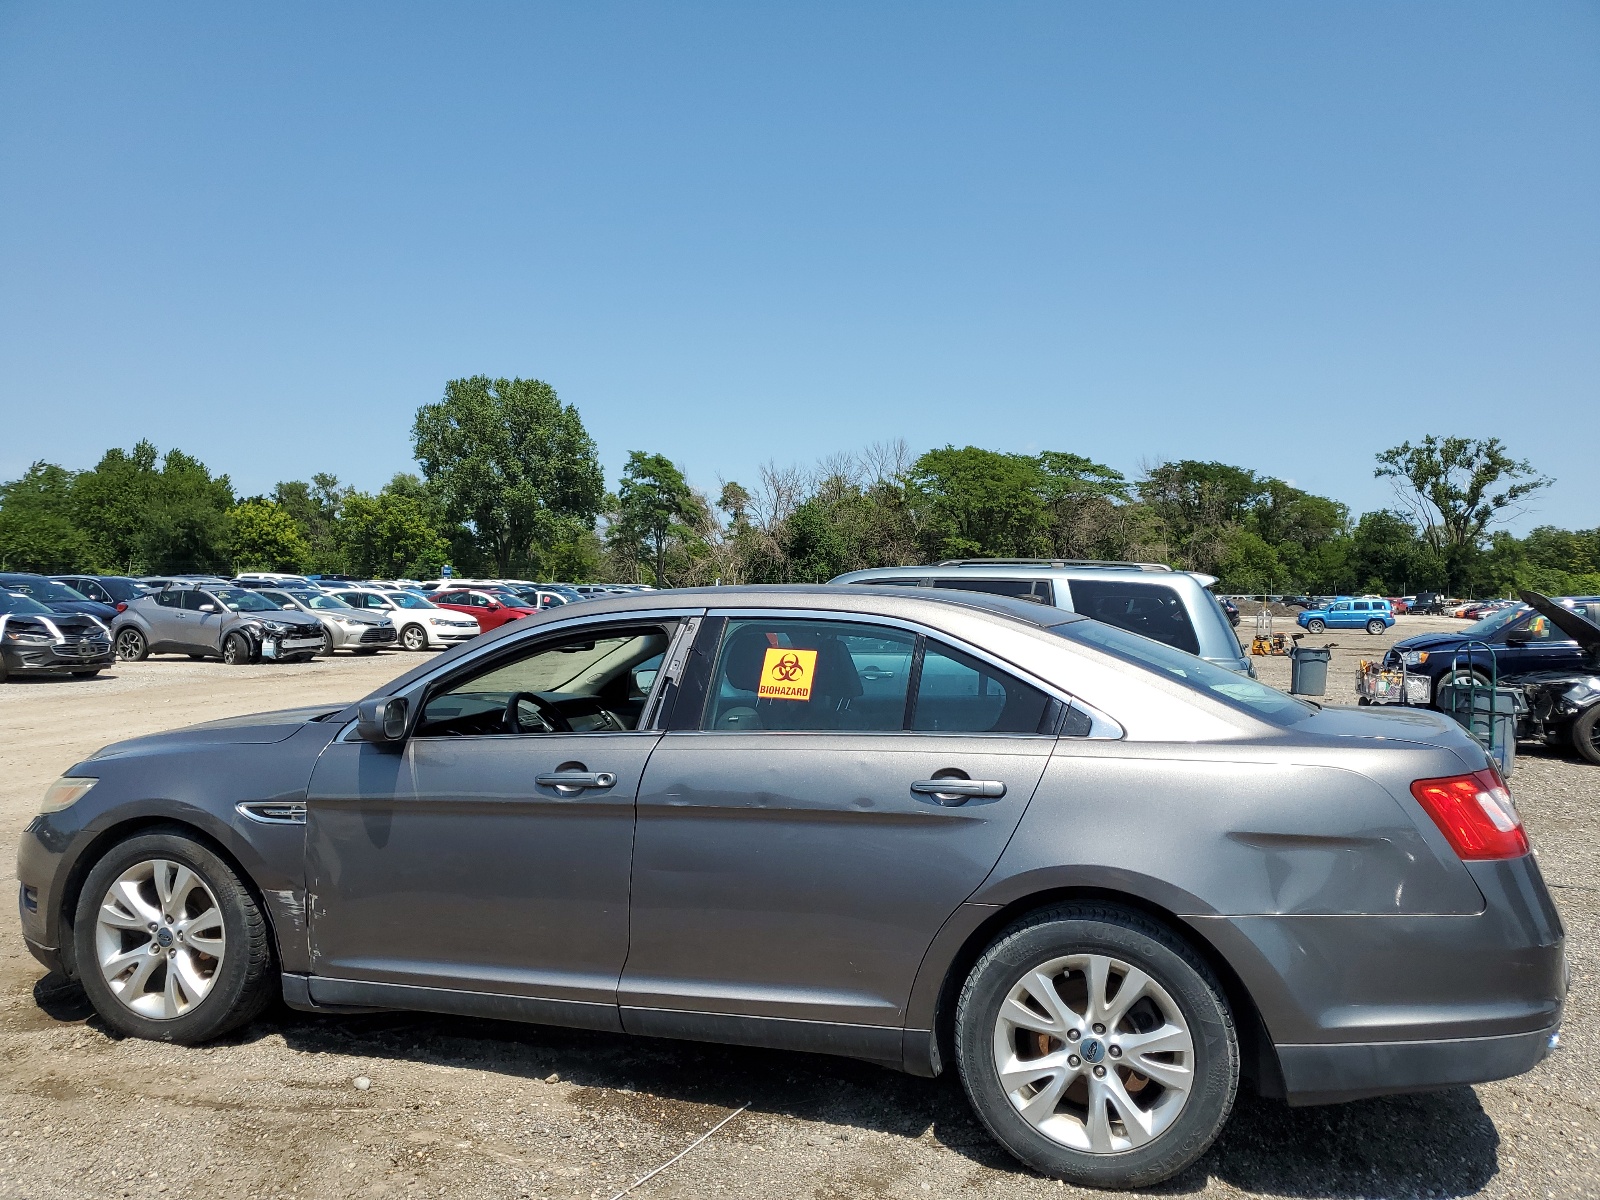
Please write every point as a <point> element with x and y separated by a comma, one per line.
<point>1283,235</point>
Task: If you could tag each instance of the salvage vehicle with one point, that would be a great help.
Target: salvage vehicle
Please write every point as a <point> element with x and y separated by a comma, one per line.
<point>490,607</point>
<point>1563,704</point>
<point>421,624</point>
<point>36,640</point>
<point>344,626</point>
<point>1150,599</point>
<point>57,597</point>
<point>233,624</point>
<point>1088,872</point>
<point>1372,615</point>
<point>1523,640</point>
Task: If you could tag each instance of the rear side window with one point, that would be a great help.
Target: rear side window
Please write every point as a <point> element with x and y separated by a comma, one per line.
<point>810,675</point>
<point>957,693</point>
<point>1037,590</point>
<point>167,599</point>
<point>1148,609</point>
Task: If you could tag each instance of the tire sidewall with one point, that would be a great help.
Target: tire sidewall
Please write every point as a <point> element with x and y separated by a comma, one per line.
<point>1315,626</point>
<point>1583,734</point>
<point>228,991</point>
<point>1375,627</point>
<point>143,644</point>
<point>1185,979</point>
<point>421,635</point>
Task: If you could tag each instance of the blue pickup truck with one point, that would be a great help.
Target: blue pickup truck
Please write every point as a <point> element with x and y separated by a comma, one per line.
<point>1372,615</point>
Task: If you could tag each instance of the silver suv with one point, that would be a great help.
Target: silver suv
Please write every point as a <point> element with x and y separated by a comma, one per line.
<point>1174,607</point>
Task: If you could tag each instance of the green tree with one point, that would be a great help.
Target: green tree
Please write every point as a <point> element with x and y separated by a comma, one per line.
<point>513,463</point>
<point>390,536</point>
<point>973,502</point>
<point>141,516</point>
<point>267,538</point>
<point>37,530</point>
<point>655,510</point>
<point>1449,486</point>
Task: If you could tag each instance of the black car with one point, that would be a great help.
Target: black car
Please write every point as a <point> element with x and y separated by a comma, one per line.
<point>1523,641</point>
<point>116,590</point>
<point>57,597</point>
<point>1564,704</point>
<point>1232,609</point>
<point>34,640</point>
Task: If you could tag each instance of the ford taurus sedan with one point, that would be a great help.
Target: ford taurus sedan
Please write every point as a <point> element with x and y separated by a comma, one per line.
<point>1101,879</point>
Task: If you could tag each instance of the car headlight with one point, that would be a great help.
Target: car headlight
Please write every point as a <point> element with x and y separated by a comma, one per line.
<point>1414,658</point>
<point>28,637</point>
<point>64,793</point>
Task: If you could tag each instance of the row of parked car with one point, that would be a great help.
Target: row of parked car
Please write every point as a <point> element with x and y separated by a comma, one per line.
<point>80,624</point>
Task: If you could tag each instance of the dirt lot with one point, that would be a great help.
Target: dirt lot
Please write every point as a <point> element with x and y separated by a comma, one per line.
<point>471,1108</point>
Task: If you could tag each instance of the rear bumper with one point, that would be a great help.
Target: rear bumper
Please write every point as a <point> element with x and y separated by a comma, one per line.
<point>1332,1074</point>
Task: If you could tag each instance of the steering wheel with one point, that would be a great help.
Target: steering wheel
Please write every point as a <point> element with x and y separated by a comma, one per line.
<point>548,713</point>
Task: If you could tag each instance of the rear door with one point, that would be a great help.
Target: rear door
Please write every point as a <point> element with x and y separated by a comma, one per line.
<point>795,852</point>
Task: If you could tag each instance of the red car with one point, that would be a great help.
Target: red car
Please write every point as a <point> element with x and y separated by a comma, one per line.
<point>1397,605</point>
<point>492,607</point>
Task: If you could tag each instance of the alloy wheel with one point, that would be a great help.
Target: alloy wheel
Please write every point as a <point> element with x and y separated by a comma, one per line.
<point>414,638</point>
<point>159,938</point>
<point>1094,1053</point>
<point>130,645</point>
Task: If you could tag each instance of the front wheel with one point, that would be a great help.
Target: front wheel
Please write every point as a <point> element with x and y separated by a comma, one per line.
<point>414,638</point>
<point>1375,626</point>
<point>1097,1047</point>
<point>327,644</point>
<point>170,944</point>
<point>1586,734</point>
<point>235,650</point>
<point>1316,625</point>
<point>131,646</point>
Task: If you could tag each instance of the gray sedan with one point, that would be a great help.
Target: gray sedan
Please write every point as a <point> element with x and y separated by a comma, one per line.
<point>1102,880</point>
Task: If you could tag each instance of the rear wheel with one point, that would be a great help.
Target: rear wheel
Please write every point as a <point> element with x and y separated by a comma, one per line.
<point>1375,626</point>
<point>1316,625</point>
<point>170,944</point>
<point>414,638</point>
<point>1097,1047</point>
<point>1586,734</point>
<point>131,646</point>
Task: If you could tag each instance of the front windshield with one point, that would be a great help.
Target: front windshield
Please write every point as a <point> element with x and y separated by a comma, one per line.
<point>409,600</point>
<point>1495,621</point>
<point>324,600</point>
<point>10,602</point>
<point>241,600</point>
<point>1240,691</point>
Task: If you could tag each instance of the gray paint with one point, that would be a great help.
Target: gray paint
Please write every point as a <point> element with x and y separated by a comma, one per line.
<point>791,890</point>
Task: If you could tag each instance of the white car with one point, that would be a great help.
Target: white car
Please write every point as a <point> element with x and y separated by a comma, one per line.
<point>421,624</point>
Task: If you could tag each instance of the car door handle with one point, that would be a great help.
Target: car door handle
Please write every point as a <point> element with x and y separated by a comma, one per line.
<point>990,789</point>
<point>577,779</point>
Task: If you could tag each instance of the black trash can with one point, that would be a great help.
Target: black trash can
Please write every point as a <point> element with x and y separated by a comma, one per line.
<point>1308,670</point>
<point>1481,709</point>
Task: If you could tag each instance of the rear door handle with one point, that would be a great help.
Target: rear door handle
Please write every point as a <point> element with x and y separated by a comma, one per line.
<point>577,779</point>
<point>959,791</point>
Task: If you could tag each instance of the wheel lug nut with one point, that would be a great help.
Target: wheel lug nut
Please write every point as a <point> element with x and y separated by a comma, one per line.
<point>1116,1052</point>
<point>1099,1072</point>
<point>1073,1060</point>
<point>1072,1034</point>
<point>1099,1028</point>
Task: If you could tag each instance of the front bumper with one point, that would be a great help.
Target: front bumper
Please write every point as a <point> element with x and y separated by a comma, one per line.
<point>57,659</point>
<point>1332,1074</point>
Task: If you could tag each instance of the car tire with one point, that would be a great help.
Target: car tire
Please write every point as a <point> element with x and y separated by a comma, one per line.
<point>218,984</point>
<point>1316,625</point>
<point>1586,734</point>
<point>236,650</point>
<point>414,638</point>
<point>1375,627</point>
<point>327,644</point>
<point>1060,948</point>
<point>131,646</point>
<point>1453,677</point>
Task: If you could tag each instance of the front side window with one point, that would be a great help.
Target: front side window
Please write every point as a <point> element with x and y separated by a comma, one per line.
<point>1539,628</point>
<point>169,598</point>
<point>783,674</point>
<point>957,693</point>
<point>595,681</point>
<point>1148,609</point>
<point>238,600</point>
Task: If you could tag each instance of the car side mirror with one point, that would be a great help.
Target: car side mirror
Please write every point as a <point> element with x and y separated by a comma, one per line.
<point>383,720</point>
<point>286,607</point>
<point>493,605</point>
<point>208,608</point>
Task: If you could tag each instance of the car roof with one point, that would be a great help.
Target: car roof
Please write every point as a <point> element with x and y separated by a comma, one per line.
<point>1025,569</point>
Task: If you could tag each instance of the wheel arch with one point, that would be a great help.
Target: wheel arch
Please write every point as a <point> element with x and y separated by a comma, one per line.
<point>1257,1054</point>
<point>107,839</point>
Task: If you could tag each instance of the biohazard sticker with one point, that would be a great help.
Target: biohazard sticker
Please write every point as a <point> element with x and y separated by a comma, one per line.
<point>786,674</point>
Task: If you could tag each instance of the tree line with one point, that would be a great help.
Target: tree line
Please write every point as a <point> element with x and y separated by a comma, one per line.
<point>509,484</point>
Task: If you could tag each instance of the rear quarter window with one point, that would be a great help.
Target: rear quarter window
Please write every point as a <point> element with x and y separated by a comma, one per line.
<point>1151,610</point>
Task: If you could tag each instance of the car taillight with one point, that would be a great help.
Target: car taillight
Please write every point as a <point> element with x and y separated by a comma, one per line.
<point>1475,813</point>
<point>122,605</point>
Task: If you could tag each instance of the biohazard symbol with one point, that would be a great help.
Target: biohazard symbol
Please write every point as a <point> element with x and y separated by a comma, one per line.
<point>787,674</point>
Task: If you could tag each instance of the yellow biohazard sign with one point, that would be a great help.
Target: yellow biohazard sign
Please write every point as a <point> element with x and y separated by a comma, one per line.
<point>786,674</point>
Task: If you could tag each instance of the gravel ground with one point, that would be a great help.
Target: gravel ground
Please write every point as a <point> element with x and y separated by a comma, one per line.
<point>407,1105</point>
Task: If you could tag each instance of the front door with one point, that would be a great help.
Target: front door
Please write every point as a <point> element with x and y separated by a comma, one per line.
<point>796,853</point>
<point>202,618</point>
<point>491,854</point>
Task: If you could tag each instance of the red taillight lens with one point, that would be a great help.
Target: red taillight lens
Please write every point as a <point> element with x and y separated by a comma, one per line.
<point>122,605</point>
<point>1475,814</point>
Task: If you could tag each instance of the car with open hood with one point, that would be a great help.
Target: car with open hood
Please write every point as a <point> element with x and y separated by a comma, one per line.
<point>1563,703</point>
<point>1100,879</point>
<point>37,640</point>
<point>220,621</point>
